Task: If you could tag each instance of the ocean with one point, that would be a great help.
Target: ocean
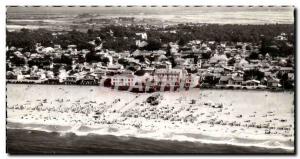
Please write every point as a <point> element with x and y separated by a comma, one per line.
<point>20,141</point>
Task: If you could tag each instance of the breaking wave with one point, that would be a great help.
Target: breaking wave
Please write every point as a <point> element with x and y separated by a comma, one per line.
<point>125,133</point>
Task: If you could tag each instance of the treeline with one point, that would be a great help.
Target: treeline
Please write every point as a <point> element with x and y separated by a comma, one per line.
<point>234,32</point>
<point>120,38</point>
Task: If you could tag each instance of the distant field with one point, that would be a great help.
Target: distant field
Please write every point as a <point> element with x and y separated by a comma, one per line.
<point>82,18</point>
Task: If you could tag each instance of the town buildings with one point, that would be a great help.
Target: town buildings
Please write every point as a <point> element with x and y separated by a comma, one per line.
<point>198,63</point>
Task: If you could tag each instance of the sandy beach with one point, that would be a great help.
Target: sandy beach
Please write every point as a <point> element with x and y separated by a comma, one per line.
<point>237,117</point>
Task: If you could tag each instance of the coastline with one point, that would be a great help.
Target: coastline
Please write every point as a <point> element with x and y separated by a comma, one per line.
<point>34,141</point>
<point>180,137</point>
<point>213,125</point>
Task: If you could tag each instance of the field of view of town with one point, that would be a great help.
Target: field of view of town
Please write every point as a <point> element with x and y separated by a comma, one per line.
<point>141,73</point>
<point>217,56</point>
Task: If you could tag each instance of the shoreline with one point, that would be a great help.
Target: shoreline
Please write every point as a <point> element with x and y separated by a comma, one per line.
<point>203,139</point>
<point>104,144</point>
<point>211,116</point>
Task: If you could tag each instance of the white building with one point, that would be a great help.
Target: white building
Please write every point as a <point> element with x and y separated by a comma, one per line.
<point>169,76</point>
<point>123,80</point>
<point>143,35</point>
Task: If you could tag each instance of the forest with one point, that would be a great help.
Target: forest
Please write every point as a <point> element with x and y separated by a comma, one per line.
<point>121,38</point>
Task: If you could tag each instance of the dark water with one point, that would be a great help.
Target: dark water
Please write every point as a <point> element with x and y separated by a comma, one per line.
<point>21,141</point>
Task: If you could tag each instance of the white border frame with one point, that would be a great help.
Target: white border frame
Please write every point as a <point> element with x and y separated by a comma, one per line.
<point>4,3</point>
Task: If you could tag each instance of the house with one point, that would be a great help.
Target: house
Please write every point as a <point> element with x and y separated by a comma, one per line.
<point>224,80</point>
<point>91,76</point>
<point>254,83</point>
<point>115,67</point>
<point>180,61</point>
<point>11,75</point>
<point>291,76</point>
<point>52,81</point>
<point>199,63</point>
<point>169,76</point>
<point>99,47</point>
<point>201,71</point>
<point>281,37</point>
<point>124,54</point>
<point>267,73</point>
<point>72,79</point>
<point>189,61</point>
<point>149,70</point>
<point>173,48</point>
<point>219,70</point>
<point>89,79</point>
<point>143,35</point>
<point>207,75</point>
<point>87,68</point>
<point>57,47</point>
<point>163,65</point>
<point>100,72</point>
<point>273,83</point>
<point>158,52</point>
<point>219,59</point>
<point>227,69</point>
<point>176,55</point>
<point>127,72</point>
<point>286,69</point>
<point>235,81</point>
<point>140,43</point>
<point>187,52</point>
<point>62,75</point>
<point>72,49</point>
<point>205,65</point>
<point>161,58</point>
<point>238,73</point>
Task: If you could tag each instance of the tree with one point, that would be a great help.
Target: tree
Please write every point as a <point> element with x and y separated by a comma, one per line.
<point>18,61</point>
<point>140,72</point>
<point>131,68</point>
<point>98,41</point>
<point>153,44</point>
<point>90,31</point>
<point>253,56</point>
<point>141,58</point>
<point>206,55</point>
<point>105,60</point>
<point>123,62</point>
<point>172,60</point>
<point>182,41</point>
<point>168,52</point>
<point>284,81</point>
<point>231,62</point>
<point>253,74</point>
<point>107,82</point>
<point>66,59</point>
